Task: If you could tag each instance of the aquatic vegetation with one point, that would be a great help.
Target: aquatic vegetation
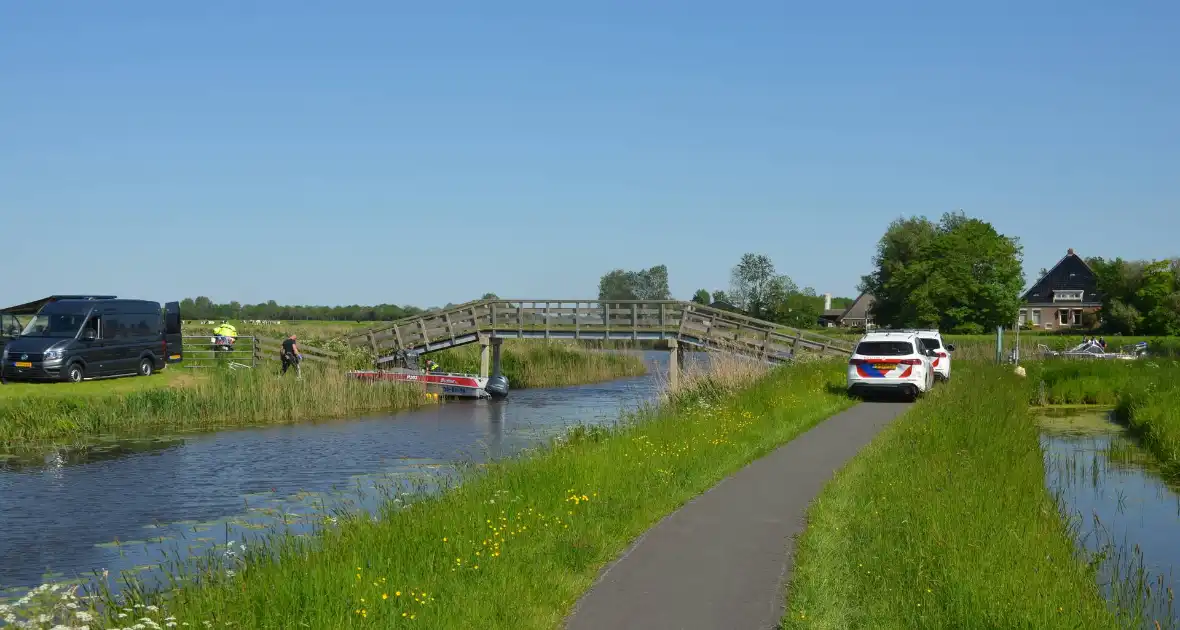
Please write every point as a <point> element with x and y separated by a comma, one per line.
<point>516,542</point>
<point>944,521</point>
<point>1145,396</point>
<point>529,363</point>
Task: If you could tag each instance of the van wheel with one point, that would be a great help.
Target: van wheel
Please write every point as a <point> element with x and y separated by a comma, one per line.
<point>75,373</point>
<point>146,367</point>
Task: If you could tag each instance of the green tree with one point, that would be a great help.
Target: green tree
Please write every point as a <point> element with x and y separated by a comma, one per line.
<point>959,275</point>
<point>1138,297</point>
<point>756,287</point>
<point>616,284</point>
<point>701,297</point>
<point>490,296</point>
<point>648,284</point>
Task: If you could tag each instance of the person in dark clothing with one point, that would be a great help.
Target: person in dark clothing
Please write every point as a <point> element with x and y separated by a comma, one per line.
<point>291,356</point>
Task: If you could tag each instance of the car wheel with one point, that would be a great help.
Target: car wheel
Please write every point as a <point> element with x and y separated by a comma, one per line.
<point>146,367</point>
<point>75,373</point>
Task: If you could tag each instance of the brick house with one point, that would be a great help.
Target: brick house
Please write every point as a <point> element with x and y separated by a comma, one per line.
<point>1062,296</point>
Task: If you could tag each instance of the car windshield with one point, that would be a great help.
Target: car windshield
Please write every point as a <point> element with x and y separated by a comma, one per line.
<point>885,348</point>
<point>55,325</point>
<point>931,344</point>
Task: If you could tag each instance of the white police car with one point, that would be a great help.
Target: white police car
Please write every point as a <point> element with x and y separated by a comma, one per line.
<point>891,361</point>
<point>932,340</point>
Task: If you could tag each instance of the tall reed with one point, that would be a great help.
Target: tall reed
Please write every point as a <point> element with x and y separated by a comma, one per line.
<point>223,398</point>
<point>529,363</point>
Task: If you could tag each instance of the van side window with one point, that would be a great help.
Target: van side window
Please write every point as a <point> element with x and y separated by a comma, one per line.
<point>138,325</point>
<point>95,324</point>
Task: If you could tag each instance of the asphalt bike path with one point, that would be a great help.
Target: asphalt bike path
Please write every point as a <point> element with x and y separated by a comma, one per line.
<point>721,561</point>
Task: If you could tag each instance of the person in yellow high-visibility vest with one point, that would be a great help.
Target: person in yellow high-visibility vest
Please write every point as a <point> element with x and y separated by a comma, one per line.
<point>225,334</point>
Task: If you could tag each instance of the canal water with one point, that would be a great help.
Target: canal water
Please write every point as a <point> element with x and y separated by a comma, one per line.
<point>1123,510</point>
<point>128,505</point>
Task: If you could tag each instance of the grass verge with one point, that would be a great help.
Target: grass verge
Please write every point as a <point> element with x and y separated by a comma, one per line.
<point>515,545</point>
<point>944,521</point>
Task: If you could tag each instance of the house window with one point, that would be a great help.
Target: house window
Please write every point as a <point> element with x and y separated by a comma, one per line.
<point>1036,317</point>
<point>1063,317</point>
<point>1067,296</point>
<point>1023,317</point>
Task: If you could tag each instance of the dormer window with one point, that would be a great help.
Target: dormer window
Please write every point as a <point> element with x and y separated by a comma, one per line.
<point>1067,296</point>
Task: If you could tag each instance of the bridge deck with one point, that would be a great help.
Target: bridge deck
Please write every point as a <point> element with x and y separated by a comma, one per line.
<point>592,319</point>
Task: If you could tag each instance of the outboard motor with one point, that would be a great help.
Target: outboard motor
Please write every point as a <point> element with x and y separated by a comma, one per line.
<point>497,386</point>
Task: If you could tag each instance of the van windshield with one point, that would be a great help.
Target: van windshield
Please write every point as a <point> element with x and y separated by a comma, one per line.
<point>885,348</point>
<point>54,325</point>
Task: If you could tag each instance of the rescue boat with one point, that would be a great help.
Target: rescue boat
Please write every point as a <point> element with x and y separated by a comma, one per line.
<point>450,384</point>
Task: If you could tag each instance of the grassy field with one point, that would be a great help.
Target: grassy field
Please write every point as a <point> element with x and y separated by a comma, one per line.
<point>164,379</point>
<point>517,543</point>
<point>944,521</point>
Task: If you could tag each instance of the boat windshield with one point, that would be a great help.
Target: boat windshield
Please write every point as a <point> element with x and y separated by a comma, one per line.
<point>63,325</point>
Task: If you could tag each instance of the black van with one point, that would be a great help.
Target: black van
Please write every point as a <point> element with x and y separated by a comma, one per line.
<point>72,340</point>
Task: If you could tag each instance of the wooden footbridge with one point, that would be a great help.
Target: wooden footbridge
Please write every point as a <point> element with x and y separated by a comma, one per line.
<point>684,322</point>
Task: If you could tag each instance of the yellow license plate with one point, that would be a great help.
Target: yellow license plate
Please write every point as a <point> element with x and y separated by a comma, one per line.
<point>885,367</point>
<point>24,364</point>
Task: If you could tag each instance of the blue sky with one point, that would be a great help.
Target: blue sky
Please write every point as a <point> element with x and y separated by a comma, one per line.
<point>363,152</point>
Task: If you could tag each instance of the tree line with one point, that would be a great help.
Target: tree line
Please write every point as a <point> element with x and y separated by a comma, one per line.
<point>756,288</point>
<point>957,274</point>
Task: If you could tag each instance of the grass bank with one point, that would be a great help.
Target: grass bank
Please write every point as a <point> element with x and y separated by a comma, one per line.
<point>179,399</point>
<point>547,363</point>
<point>944,521</point>
<point>516,544</point>
<point>183,402</point>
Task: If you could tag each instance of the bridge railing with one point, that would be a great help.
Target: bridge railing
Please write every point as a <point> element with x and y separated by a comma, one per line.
<point>594,319</point>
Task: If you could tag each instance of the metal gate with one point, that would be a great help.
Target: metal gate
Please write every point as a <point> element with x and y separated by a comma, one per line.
<point>202,351</point>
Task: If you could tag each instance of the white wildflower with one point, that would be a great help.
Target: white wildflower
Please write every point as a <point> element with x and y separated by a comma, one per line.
<point>10,618</point>
<point>44,618</point>
<point>83,615</point>
<point>152,608</point>
<point>71,605</point>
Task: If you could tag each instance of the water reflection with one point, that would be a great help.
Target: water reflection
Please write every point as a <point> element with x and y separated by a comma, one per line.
<point>40,459</point>
<point>126,505</point>
<point>1122,509</point>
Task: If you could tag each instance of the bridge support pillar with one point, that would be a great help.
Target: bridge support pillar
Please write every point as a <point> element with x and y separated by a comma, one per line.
<point>496,343</point>
<point>673,364</point>
<point>485,347</point>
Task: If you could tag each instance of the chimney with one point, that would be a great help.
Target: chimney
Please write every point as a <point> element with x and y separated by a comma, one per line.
<point>828,301</point>
<point>1070,252</point>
